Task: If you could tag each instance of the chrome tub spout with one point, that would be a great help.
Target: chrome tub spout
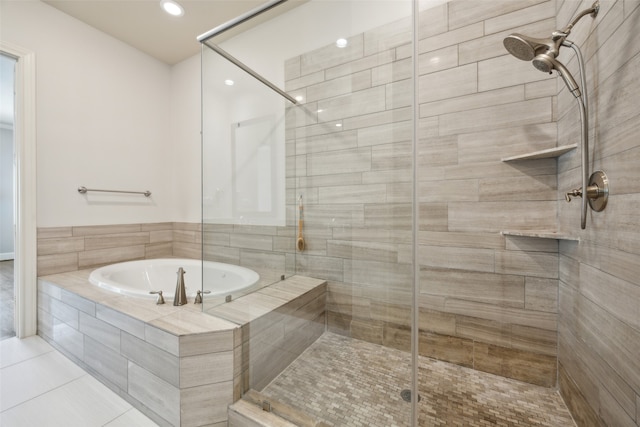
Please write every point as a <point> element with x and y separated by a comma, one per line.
<point>180,297</point>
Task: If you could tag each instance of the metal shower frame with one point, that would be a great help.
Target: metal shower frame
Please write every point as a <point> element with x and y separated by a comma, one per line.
<point>205,39</point>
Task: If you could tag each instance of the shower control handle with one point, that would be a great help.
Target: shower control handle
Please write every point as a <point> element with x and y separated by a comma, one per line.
<point>597,191</point>
<point>576,192</point>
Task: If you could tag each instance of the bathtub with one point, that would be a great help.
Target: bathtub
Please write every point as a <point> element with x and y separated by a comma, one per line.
<point>137,278</point>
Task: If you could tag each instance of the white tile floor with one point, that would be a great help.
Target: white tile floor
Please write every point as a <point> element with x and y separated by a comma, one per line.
<point>41,387</point>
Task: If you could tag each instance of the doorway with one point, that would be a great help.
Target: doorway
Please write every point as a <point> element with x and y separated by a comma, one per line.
<point>7,195</point>
<point>22,165</point>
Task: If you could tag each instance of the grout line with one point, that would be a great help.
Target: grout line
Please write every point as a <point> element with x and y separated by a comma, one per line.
<point>29,358</point>
<point>45,392</point>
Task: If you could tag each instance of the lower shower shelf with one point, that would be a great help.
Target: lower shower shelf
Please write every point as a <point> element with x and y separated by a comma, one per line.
<point>541,234</point>
<point>542,154</point>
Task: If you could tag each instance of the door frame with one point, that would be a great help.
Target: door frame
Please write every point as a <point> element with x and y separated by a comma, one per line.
<point>25,262</point>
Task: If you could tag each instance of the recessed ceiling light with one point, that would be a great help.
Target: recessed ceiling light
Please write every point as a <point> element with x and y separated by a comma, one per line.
<point>171,7</point>
<point>338,125</point>
<point>299,98</point>
<point>342,43</point>
<point>229,82</point>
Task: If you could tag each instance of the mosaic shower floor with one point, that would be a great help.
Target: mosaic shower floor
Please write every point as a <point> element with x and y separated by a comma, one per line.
<point>347,382</point>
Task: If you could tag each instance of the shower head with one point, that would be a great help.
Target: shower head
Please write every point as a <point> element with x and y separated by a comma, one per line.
<point>526,48</point>
<point>546,63</point>
<point>543,52</point>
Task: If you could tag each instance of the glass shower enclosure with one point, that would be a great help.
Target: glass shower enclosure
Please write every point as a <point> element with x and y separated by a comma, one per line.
<point>307,120</point>
<point>385,136</point>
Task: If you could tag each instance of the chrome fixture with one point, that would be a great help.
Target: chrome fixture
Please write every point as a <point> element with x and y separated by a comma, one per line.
<point>206,40</point>
<point>239,20</point>
<point>198,299</point>
<point>543,53</point>
<point>180,297</point>
<point>83,190</point>
<point>160,299</point>
<point>597,191</point>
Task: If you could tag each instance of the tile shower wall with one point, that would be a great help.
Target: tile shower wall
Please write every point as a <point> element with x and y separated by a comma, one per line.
<point>599,323</point>
<point>487,301</point>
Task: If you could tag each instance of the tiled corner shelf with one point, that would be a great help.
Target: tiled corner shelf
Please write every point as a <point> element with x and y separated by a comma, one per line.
<point>541,234</point>
<point>542,154</point>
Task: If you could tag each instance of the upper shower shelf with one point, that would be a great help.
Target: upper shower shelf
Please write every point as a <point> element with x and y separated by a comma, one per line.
<point>541,234</point>
<point>542,154</point>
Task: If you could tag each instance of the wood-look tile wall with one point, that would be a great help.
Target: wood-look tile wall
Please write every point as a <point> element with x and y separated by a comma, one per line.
<point>486,301</point>
<point>62,249</point>
<point>599,305</point>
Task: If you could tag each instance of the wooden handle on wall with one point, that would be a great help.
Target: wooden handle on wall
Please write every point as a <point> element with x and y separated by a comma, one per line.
<point>300,239</point>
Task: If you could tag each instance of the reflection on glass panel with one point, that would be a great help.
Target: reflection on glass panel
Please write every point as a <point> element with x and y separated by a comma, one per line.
<point>254,163</point>
<point>243,180</point>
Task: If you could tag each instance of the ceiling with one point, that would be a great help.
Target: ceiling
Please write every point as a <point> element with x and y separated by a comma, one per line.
<point>145,26</point>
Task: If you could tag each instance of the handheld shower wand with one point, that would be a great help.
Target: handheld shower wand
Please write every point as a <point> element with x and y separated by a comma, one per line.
<point>543,53</point>
<point>547,63</point>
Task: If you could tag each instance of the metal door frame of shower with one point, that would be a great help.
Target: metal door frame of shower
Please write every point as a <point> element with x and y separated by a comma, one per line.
<point>204,39</point>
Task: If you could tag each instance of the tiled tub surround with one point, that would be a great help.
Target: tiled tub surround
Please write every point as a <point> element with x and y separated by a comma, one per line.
<point>275,334</point>
<point>268,250</point>
<point>180,366</point>
<point>62,249</point>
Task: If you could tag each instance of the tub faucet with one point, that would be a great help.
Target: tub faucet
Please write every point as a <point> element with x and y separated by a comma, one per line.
<point>198,299</point>
<point>180,298</point>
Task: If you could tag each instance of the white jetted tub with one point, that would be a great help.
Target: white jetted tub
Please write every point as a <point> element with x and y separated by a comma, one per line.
<point>138,278</point>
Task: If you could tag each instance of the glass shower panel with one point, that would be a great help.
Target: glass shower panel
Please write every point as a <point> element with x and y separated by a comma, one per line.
<point>341,352</point>
<point>487,295</point>
<point>243,183</point>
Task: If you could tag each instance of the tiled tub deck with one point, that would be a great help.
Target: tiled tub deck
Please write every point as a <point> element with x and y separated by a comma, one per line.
<point>179,366</point>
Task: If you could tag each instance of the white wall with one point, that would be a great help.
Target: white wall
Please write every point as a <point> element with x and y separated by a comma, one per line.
<point>102,120</point>
<point>185,139</point>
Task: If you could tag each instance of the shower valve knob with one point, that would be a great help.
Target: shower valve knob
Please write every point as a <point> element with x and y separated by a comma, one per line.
<point>577,192</point>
